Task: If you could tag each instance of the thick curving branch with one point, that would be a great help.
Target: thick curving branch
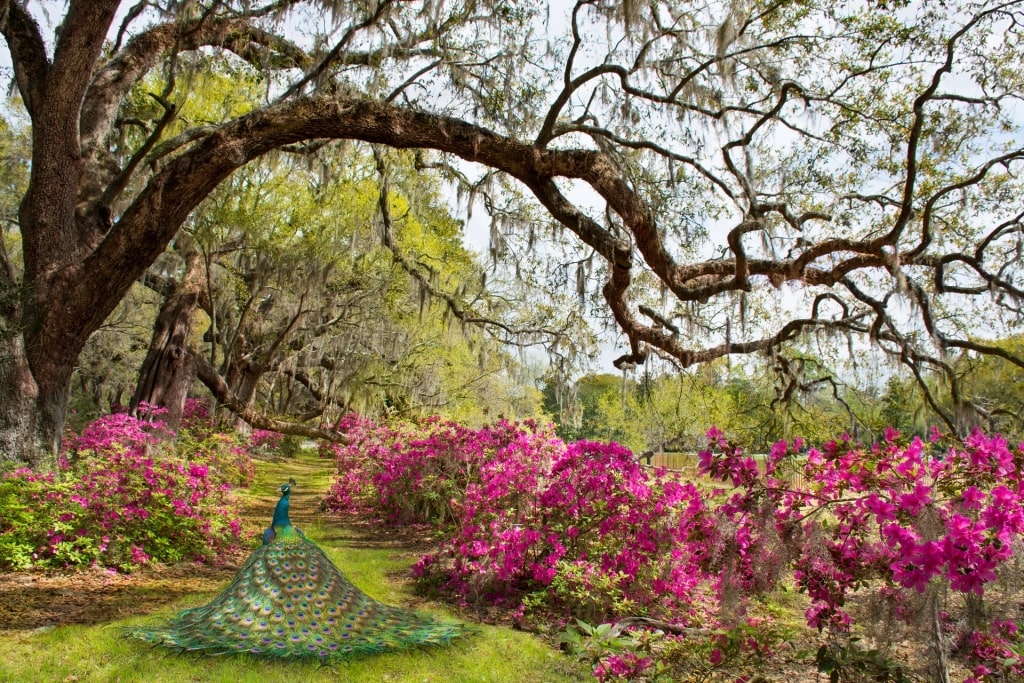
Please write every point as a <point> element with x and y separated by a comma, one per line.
<point>28,52</point>
<point>115,78</point>
<point>209,376</point>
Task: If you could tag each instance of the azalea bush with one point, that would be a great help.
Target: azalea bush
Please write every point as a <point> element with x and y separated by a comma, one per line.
<point>123,496</point>
<point>930,529</point>
<point>582,529</point>
<point>422,472</point>
<point>593,535</point>
<point>618,652</point>
<point>263,439</point>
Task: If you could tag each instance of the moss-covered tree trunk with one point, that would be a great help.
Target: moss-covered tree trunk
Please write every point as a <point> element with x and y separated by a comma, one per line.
<point>168,369</point>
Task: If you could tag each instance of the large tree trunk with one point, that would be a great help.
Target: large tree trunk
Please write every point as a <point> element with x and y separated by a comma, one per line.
<point>18,414</point>
<point>31,411</point>
<point>44,332</point>
<point>168,370</point>
<point>245,391</point>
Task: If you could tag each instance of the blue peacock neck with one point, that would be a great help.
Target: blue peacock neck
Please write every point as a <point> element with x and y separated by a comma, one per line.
<point>281,511</point>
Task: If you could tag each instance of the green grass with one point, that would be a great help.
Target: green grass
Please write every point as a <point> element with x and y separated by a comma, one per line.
<point>99,652</point>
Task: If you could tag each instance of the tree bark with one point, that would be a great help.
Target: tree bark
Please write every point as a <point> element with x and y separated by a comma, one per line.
<point>19,443</point>
<point>33,405</point>
<point>168,370</point>
<point>245,393</point>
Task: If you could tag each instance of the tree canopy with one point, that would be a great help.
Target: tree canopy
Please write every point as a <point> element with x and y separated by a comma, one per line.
<point>732,177</point>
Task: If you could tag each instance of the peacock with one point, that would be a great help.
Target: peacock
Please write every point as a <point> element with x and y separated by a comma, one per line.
<point>290,601</point>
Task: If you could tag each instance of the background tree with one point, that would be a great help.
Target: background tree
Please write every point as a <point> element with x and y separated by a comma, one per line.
<point>839,170</point>
<point>307,313</point>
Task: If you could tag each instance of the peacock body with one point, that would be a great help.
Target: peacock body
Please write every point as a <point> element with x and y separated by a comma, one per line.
<point>290,601</point>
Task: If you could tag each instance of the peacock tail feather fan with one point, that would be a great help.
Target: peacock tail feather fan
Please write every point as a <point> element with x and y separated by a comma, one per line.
<point>290,601</point>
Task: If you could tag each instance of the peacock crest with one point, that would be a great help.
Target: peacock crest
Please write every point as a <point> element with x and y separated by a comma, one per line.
<point>290,601</point>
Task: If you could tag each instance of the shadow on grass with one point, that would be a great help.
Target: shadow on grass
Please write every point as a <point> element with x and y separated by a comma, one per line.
<point>33,600</point>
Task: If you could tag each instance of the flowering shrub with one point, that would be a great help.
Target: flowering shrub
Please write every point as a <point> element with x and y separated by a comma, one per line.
<point>352,489</point>
<point>625,667</point>
<point>421,473</point>
<point>262,439</point>
<point>611,655</point>
<point>626,651</point>
<point>904,516</point>
<point>119,499</point>
<point>196,418</point>
<point>226,456</point>
<point>998,651</point>
<point>596,539</point>
<point>584,528</point>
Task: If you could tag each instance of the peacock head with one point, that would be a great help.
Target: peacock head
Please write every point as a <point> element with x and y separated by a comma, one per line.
<point>286,488</point>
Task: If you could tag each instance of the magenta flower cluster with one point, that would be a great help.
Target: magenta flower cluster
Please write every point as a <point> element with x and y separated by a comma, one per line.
<point>905,513</point>
<point>263,439</point>
<point>627,666</point>
<point>992,654</point>
<point>414,473</point>
<point>120,498</point>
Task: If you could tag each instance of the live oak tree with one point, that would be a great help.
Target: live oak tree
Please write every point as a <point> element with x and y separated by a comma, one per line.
<point>735,175</point>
